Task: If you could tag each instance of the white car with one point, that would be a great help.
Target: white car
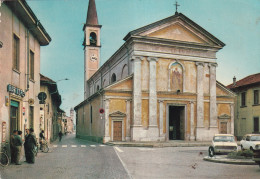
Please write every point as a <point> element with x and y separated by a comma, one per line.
<point>250,141</point>
<point>223,143</point>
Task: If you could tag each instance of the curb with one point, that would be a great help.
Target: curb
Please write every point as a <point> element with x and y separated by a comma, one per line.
<point>230,161</point>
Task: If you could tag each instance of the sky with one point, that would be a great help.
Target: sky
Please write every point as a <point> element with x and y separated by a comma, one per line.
<point>234,22</point>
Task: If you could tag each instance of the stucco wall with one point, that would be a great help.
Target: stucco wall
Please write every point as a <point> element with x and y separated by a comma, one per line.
<point>10,25</point>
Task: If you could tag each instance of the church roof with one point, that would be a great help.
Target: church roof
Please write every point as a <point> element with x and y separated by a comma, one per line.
<point>249,80</point>
<point>172,18</point>
<point>92,18</point>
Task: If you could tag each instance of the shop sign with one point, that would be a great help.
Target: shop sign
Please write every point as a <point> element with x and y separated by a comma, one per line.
<point>17,91</point>
<point>3,131</point>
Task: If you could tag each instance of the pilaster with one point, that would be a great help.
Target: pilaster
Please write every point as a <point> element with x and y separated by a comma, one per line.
<point>192,122</point>
<point>128,124</point>
<point>161,118</point>
<point>232,118</point>
<point>213,100</point>
<point>137,98</point>
<point>200,95</point>
<point>107,136</point>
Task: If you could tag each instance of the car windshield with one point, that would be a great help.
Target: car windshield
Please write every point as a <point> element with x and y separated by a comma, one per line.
<point>223,139</point>
<point>255,138</point>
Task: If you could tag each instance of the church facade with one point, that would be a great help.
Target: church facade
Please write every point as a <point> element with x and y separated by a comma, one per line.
<point>159,85</point>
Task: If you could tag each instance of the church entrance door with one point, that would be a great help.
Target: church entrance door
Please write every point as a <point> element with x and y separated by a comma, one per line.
<point>117,131</point>
<point>176,123</point>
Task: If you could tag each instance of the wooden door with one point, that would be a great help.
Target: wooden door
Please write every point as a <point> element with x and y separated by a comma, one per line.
<point>117,131</point>
<point>223,128</point>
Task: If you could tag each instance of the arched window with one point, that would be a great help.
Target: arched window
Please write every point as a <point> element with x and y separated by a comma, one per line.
<point>124,72</point>
<point>97,87</point>
<point>113,78</point>
<point>93,39</point>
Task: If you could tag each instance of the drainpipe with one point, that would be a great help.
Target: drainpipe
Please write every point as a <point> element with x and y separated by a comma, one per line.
<point>28,52</point>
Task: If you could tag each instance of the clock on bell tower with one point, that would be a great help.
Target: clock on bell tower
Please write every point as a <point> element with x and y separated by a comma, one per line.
<point>91,43</point>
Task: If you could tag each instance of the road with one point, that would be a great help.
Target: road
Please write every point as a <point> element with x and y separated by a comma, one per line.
<point>75,158</point>
<point>70,159</point>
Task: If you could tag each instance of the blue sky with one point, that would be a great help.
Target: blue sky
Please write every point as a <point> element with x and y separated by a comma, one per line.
<point>235,22</point>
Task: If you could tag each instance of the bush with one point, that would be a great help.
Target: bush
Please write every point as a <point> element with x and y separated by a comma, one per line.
<point>241,154</point>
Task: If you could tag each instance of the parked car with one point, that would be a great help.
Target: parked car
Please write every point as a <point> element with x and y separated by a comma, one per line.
<point>222,143</point>
<point>250,141</point>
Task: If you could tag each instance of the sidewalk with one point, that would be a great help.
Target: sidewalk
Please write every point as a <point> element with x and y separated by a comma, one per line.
<point>224,159</point>
<point>173,143</point>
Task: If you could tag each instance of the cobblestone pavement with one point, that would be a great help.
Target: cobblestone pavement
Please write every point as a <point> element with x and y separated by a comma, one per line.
<point>70,159</point>
<point>180,162</point>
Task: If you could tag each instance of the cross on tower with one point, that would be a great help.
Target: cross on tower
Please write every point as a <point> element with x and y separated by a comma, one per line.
<point>176,4</point>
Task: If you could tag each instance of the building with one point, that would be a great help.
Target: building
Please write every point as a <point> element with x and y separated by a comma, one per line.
<point>247,112</point>
<point>50,110</point>
<point>22,35</point>
<point>159,85</point>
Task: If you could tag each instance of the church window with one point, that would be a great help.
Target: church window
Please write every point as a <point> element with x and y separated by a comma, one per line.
<point>97,87</point>
<point>113,78</point>
<point>93,39</point>
<point>124,72</point>
<point>104,83</point>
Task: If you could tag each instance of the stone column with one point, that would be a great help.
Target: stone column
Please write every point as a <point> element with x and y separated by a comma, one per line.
<point>192,126</point>
<point>200,94</point>
<point>137,98</point>
<point>213,100</point>
<point>200,101</point>
<point>128,124</point>
<point>137,91</point>
<point>153,131</point>
<point>232,118</point>
<point>152,92</point>
<point>107,136</point>
<point>161,119</point>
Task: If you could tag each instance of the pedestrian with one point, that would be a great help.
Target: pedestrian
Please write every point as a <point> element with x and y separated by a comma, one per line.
<point>17,147</point>
<point>27,132</point>
<point>60,135</point>
<point>41,138</point>
<point>12,146</point>
<point>30,144</point>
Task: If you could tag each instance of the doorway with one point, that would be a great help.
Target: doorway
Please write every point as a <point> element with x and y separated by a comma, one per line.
<point>117,131</point>
<point>14,116</point>
<point>176,122</point>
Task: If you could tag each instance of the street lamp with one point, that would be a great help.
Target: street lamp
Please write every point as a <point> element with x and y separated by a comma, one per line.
<point>62,80</point>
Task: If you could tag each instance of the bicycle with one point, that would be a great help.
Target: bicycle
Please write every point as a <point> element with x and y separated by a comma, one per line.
<point>44,146</point>
<point>4,159</point>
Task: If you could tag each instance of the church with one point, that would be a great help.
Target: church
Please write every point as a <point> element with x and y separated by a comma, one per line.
<point>160,85</point>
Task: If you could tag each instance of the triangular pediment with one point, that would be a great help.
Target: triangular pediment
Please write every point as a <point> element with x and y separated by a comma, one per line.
<point>224,116</point>
<point>117,114</point>
<point>175,31</point>
<point>177,28</point>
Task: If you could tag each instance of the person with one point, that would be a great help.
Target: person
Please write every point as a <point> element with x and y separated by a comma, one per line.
<point>30,144</point>
<point>25,143</point>
<point>12,146</point>
<point>60,135</point>
<point>17,147</point>
<point>41,138</point>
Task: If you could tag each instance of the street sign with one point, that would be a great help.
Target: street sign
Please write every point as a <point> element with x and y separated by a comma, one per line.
<point>42,96</point>
<point>101,110</point>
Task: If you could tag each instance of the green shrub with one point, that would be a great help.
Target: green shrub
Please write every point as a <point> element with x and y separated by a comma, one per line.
<point>241,154</point>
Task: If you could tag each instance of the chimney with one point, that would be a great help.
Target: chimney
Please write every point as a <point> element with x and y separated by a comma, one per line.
<point>234,81</point>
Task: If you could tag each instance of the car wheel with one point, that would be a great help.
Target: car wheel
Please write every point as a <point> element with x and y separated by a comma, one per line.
<point>211,151</point>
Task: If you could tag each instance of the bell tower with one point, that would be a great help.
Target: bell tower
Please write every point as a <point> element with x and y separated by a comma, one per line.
<point>91,44</point>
